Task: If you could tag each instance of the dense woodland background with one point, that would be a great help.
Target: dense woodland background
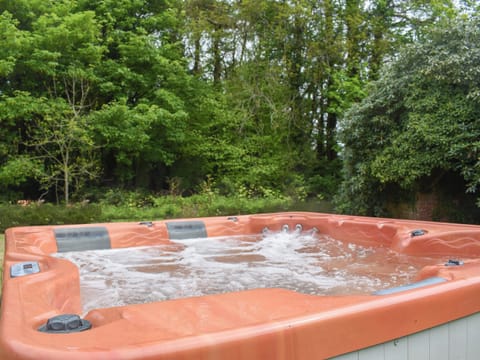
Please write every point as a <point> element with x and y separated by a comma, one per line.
<point>373,105</point>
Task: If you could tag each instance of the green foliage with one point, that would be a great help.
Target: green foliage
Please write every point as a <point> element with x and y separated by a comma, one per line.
<point>322,181</point>
<point>47,214</point>
<point>18,170</point>
<point>144,134</point>
<point>419,118</point>
<point>245,95</point>
<point>199,205</point>
<point>11,42</point>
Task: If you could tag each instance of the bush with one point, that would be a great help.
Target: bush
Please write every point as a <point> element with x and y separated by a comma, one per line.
<point>122,206</point>
<point>200,205</point>
<point>47,214</point>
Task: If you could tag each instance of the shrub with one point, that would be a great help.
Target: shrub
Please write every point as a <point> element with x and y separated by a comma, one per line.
<point>134,207</point>
<point>47,214</point>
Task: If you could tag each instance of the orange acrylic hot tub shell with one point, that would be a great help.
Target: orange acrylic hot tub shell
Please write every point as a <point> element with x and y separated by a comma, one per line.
<point>253,324</point>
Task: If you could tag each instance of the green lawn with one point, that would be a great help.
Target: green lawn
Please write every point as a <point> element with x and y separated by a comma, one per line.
<point>2,246</point>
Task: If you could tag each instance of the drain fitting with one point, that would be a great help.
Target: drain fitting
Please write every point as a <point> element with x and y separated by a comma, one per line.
<point>65,324</point>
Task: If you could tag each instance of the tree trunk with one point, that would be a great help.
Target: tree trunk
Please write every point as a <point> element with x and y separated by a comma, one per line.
<point>66,182</point>
<point>217,57</point>
<point>330,136</point>
<point>196,55</point>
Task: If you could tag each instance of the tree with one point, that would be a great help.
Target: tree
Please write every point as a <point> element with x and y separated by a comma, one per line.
<point>104,78</point>
<point>11,42</point>
<point>247,93</point>
<point>144,95</point>
<point>63,142</point>
<point>54,75</point>
<point>419,120</point>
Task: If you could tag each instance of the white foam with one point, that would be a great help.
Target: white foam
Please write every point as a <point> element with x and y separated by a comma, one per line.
<point>307,263</point>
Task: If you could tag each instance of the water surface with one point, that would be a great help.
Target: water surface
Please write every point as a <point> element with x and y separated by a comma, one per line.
<point>309,263</point>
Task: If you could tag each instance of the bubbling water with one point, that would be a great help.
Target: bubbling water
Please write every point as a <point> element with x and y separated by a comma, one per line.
<point>304,262</point>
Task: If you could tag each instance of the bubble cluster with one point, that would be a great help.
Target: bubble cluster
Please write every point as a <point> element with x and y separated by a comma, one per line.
<point>309,263</point>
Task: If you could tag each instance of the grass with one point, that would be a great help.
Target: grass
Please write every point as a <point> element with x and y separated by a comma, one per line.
<point>2,248</point>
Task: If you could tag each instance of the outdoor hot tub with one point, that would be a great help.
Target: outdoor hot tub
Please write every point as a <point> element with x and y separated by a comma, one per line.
<point>268,286</point>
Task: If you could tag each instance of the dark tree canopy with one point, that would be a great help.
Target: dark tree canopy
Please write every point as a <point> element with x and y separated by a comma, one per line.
<point>244,95</point>
<point>420,120</point>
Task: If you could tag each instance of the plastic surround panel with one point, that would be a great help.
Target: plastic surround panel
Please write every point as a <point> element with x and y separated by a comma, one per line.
<point>254,324</point>
<point>186,230</point>
<point>82,238</point>
<point>411,286</point>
